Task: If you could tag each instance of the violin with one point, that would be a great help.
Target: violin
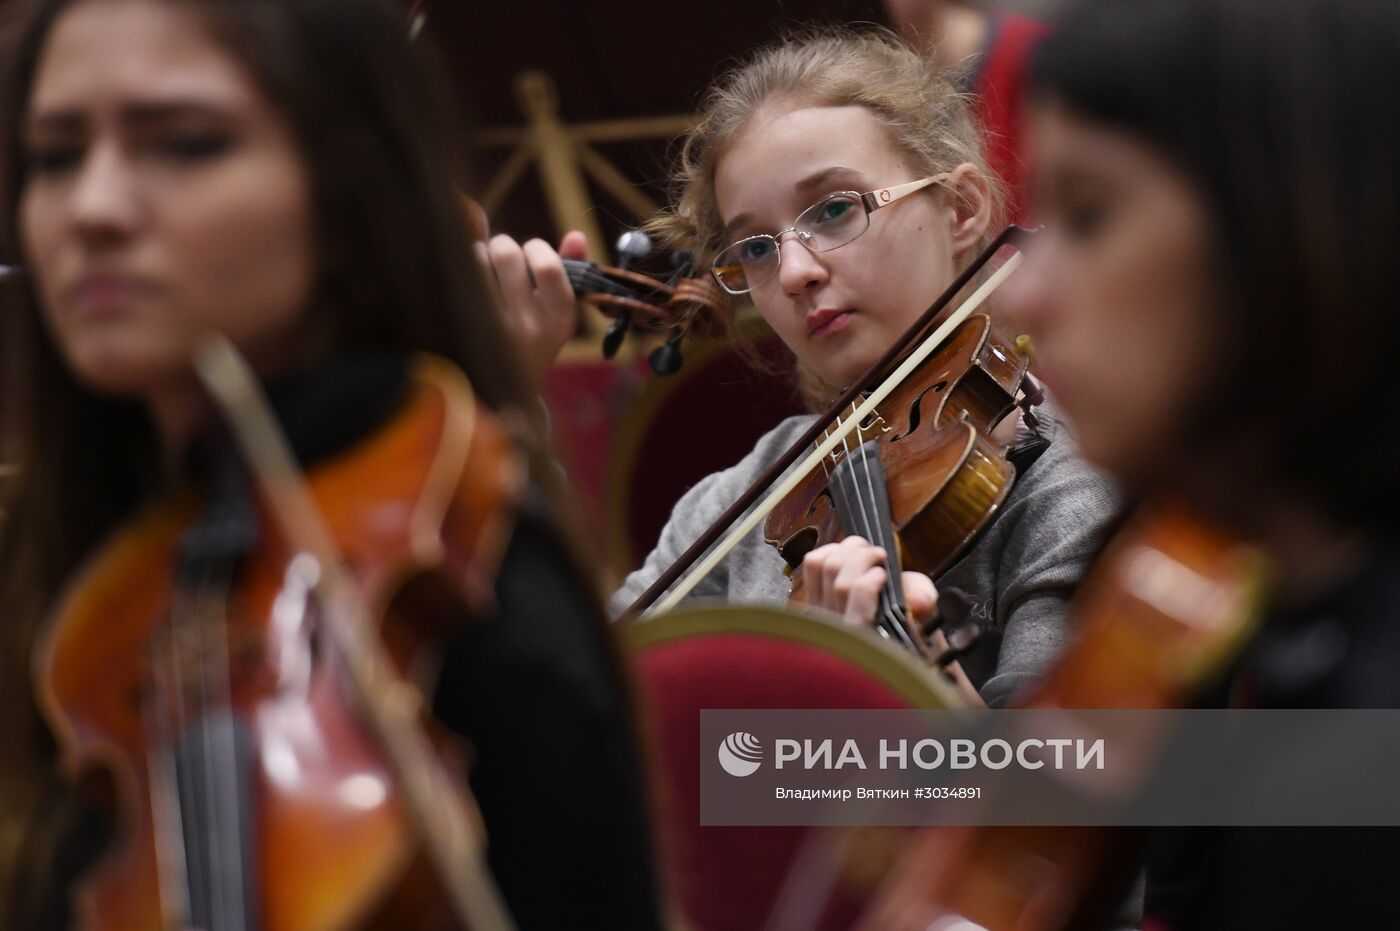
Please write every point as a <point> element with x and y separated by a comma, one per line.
<point>974,381</point>
<point>1170,603</point>
<point>238,673</point>
<point>688,302</point>
<point>920,482</point>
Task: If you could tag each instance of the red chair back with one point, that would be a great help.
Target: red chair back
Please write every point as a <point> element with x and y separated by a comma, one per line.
<point>729,878</point>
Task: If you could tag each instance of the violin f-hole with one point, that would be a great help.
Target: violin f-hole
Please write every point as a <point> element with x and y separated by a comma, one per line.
<point>915,410</point>
<point>796,547</point>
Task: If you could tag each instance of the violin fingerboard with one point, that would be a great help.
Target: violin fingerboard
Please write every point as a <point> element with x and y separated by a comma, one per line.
<point>857,486</point>
<point>214,773</point>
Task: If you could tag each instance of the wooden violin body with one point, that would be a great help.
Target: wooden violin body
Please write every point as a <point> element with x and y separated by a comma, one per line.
<point>945,477</point>
<point>1170,602</point>
<point>232,744</point>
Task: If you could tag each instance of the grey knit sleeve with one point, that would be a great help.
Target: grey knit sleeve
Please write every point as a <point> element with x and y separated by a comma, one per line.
<point>1062,514</point>
<point>753,570</point>
<point>693,513</point>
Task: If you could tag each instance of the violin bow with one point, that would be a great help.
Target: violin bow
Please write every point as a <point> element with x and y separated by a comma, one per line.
<point>903,360</point>
<point>439,807</point>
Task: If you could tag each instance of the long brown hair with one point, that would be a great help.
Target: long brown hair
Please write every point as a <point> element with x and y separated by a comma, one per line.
<point>395,272</point>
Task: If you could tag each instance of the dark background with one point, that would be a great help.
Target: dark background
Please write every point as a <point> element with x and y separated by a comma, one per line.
<point>611,59</point>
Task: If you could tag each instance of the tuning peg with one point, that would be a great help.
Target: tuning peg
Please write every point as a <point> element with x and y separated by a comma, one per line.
<point>666,359</point>
<point>1030,396</point>
<point>682,266</point>
<point>617,332</point>
<point>632,246</point>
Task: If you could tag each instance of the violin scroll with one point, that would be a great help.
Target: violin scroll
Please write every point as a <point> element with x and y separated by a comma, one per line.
<point>685,303</point>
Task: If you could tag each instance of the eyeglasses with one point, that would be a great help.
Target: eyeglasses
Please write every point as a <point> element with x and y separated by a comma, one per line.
<point>830,223</point>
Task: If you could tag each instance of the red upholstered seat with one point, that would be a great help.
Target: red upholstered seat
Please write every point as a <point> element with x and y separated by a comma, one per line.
<point>719,395</point>
<point>728,878</point>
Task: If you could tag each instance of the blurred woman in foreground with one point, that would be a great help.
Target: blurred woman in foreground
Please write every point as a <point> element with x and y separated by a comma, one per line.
<point>1214,304</point>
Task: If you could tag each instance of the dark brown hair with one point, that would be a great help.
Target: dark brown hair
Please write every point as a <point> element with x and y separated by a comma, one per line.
<point>1278,112</point>
<point>395,272</point>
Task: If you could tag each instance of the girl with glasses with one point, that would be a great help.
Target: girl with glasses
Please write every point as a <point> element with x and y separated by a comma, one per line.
<point>836,181</point>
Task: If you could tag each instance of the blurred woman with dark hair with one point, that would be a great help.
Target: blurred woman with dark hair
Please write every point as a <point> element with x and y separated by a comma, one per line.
<point>1214,303</point>
<point>275,171</point>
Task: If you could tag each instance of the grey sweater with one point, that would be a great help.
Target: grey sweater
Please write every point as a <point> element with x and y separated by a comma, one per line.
<point>1019,573</point>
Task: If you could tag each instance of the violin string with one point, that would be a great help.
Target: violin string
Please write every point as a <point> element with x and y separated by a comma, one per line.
<point>224,780</point>
<point>600,283</point>
<point>826,461</point>
<point>597,282</point>
<point>867,512</point>
<point>846,457</point>
<point>167,819</point>
<point>868,505</point>
<point>826,467</point>
<point>886,534</point>
<point>582,271</point>
<point>866,501</point>
<point>861,514</point>
<point>590,278</point>
<point>864,518</point>
<point>186,789</point>
<point>865,509</point>
<point>890,596</point>
<point>834,475</point>
<point>208,819</point>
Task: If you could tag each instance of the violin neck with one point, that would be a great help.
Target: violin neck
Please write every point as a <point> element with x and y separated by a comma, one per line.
<point>581,274</point>
<point>588,278</point>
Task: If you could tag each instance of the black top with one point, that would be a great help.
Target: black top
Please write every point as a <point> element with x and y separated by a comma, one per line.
<point>1342,651</point>
<point>535,689</point>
